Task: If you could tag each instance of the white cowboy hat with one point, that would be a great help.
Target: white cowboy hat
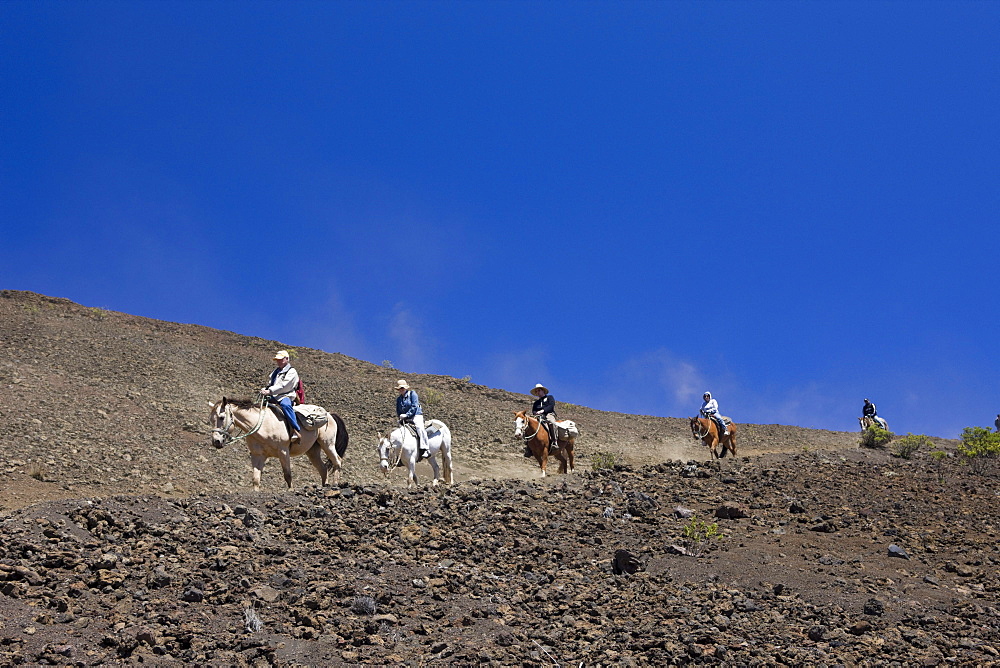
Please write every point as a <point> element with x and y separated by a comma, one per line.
<point>402,384</point>
<point>281,355</point>
<point>537,387</point>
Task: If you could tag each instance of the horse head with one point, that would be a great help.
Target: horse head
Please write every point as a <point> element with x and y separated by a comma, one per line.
<point>220,419</point>
<point>519,423</point>
<point>384,448</point>
<point>698,430</point>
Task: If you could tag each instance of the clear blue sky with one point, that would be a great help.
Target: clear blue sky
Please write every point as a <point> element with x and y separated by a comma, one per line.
<point>792,204</point>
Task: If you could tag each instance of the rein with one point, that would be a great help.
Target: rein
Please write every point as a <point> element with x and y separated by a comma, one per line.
<point>231,421</point>
<point>699,435</point>
<point>527,423</point>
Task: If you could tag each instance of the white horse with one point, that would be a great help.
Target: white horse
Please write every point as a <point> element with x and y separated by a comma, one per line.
<point>401,445</point>
<point>866,422</point>
<point>266,436</point>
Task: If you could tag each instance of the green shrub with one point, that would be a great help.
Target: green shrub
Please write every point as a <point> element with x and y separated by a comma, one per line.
<point>387,364</point>
<point>697,533</point>
<point>980,447</point>
<point>431,397</point>
<point>602,460</point>
<point>909,444</point>
<point>875,437</point>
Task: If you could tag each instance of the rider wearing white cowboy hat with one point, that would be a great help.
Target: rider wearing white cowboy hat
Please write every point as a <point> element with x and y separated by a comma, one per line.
<point>544,407</point>
<point>408,410</point>
<point>281,389</point>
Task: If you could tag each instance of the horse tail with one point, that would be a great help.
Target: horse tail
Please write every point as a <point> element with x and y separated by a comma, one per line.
<point>446,453</point>
<point>340,446</point>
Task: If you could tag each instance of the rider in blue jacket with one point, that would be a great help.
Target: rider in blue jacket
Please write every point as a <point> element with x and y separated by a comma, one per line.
<point>408,410</point>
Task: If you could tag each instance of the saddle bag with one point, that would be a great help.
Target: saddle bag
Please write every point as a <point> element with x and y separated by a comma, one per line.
<point>567,429</point>
<point>312,420</point>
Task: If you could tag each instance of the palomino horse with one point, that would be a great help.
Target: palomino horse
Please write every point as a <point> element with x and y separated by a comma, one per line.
<point>537,439</point>
<point>401,445</point>
<point>866,422</point>
<point>266,436</point>
<point>706,431</point>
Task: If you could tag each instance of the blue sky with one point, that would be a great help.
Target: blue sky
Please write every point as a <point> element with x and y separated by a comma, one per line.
<point>793,205</point>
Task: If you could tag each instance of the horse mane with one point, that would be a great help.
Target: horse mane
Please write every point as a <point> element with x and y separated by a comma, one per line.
<point>242,403</point>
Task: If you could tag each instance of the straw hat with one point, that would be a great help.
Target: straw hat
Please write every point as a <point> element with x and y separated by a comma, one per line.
<point>402,384</point>
<point>539,388</point>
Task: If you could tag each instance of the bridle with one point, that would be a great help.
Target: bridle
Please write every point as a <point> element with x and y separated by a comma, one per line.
<point>384,456</point>
<point>230,421</point>
<point>700,436</point>
<point>526,423</point>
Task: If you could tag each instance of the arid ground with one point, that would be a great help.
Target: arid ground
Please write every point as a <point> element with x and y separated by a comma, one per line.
<point>128,539</point>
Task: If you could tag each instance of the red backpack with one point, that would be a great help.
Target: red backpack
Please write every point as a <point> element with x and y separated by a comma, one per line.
<point>300,392</point>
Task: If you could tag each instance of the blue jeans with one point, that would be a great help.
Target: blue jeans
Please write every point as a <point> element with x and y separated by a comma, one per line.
<point>286,408</point>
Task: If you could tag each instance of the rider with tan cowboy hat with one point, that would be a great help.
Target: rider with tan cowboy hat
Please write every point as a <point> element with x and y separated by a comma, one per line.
<point>281,390</point>
<point>544,408</point>
<point>408,410</point>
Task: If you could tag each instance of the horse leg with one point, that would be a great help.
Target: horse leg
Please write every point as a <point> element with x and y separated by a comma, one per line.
<point>432,460</point>
<point>316,459</point>
<point>257,463</point>
<point>543,457</point>
<point>446,462</point>
<point>411,465</point>
<point>569,453</point>
<point>286,466</point>
<point>333,461</point>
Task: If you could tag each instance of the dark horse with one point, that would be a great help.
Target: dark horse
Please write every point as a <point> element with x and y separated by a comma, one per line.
<point>706,431</point>
<point>537,440</point>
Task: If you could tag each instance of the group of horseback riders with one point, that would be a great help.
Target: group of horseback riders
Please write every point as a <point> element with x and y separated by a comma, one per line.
<point>284,386</point>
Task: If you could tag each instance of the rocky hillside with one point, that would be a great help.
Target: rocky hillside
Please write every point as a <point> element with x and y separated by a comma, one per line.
<point>128,539</point>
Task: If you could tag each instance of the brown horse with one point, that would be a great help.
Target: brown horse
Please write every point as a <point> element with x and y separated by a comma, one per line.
<point>706,431</point>
<point>537,439</point>
<point>266,436</point>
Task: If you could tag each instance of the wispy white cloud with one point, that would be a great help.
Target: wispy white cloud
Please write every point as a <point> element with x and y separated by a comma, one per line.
<point>656,382</point>
<point>333,327</point>
<point>519,370</point>
<point>414,348</point>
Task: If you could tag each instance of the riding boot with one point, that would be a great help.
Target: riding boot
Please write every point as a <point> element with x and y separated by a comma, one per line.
<point>293,437</point>
<point>527,452</point>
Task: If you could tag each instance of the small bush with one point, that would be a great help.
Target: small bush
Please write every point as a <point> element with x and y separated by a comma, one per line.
<point>875,437</point>
<point>36,471</point>
<point>602,460</point>
<point>909,444</point>
<point>432,397</point>
<point>697,533</point>
<point>980,448</point>
<point>364,605</point>
<point>387,364</point>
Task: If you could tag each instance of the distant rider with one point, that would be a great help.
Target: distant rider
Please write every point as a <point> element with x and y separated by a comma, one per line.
<point>997,423</point>
<point>408,410</point>
<point>868,411</point>
<point>544,408</point>
<point>281,390</point>
<point>710,409</point>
